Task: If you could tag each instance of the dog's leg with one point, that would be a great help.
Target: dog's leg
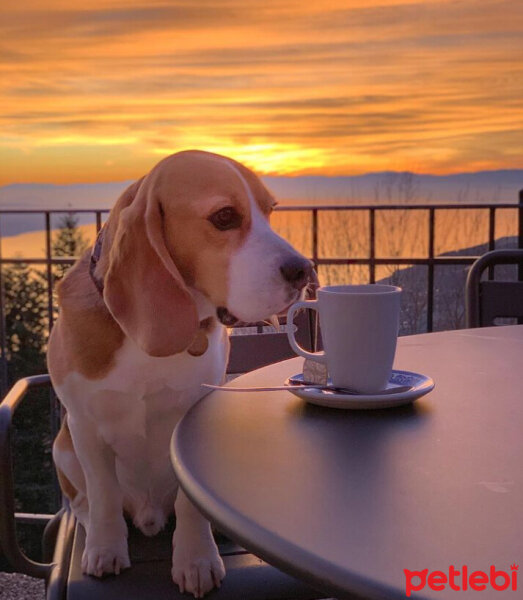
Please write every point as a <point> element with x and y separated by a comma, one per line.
<point>70,474</point>
<point>197,566</point>
<point>106,544</point>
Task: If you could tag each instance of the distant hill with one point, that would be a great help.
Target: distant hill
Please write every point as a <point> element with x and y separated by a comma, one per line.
<point>449,289</point>
<point>381,188</point>
<point>391,187</point>
<point>55,196</point>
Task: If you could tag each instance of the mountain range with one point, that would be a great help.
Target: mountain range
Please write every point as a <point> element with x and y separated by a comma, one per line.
<point>390,187</point>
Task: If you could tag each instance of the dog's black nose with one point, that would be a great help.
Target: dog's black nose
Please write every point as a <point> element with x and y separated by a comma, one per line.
<point>296,271</point>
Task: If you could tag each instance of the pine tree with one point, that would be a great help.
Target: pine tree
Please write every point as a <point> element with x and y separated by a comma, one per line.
<point>68,242</point>
<point>26,326</point>
<point>26,318</point>
<point>26,321</point>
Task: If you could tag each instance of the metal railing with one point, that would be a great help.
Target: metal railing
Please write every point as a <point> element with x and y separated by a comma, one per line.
<point>372,261</point>
<point>430,260</point>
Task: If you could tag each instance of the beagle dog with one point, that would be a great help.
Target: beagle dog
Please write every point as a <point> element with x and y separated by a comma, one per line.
<point>186,250</point>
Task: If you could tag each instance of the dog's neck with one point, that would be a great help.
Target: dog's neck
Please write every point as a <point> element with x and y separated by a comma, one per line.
<point>204,306</point>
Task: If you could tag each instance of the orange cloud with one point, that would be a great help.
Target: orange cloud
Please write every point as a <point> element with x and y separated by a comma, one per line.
<point>334,87</point>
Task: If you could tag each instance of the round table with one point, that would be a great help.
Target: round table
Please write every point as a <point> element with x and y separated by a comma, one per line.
<point>349,500</point>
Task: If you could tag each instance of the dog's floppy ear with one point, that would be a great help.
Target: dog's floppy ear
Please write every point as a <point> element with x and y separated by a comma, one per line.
<point>143,289</point>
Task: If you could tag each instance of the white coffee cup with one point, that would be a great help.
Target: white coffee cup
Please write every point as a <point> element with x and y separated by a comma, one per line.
<point>359,328</point>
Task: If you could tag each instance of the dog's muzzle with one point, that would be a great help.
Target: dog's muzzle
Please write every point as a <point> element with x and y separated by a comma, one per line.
<point>299,274</point>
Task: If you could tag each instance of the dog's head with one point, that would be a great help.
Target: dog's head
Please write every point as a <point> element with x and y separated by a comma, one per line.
<point>197,220</point>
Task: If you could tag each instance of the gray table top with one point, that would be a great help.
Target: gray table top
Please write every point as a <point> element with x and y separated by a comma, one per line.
<point>347,500</point>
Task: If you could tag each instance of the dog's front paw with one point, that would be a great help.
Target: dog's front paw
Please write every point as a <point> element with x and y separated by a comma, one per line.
<point>100,558</point>
<point>197,564</point>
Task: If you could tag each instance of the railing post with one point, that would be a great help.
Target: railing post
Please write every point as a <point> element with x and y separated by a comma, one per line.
<point>315,236</point>
<point>372,245</point>
<point>492,237</point>
<point>98,221</point>
<point>430,272</point>
<point>4,386</point>
<point>492,228</point>
<point>54,407</point>
<point>520,232</point>
<point>49,270</point>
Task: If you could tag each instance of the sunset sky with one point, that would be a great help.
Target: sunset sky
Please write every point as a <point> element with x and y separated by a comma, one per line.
<point>102,90</point>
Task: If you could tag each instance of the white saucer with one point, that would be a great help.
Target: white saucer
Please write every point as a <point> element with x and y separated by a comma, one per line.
<point>419,386</point>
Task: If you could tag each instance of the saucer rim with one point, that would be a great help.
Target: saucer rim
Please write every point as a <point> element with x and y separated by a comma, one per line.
<point>365,401</point>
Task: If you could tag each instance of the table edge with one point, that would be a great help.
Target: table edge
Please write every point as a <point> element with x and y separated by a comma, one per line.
<point>230,522</point>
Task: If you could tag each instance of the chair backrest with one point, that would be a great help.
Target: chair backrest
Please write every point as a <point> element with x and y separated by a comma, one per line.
<point>256,349</point>
<point>489,300</point>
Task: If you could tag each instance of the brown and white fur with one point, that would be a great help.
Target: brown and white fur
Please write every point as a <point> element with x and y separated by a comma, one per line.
<point>127,363</point>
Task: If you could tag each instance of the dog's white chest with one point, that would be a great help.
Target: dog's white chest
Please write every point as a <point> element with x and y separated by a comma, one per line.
<point>135,408</point>
<point>142,463</point>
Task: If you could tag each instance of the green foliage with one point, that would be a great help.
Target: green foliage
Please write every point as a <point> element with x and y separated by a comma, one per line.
<point>69,241</point>
<point>26,314</point>
<point>25,310</point>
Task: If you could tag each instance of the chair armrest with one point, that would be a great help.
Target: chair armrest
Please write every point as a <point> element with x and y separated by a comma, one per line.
<point>8,539</point>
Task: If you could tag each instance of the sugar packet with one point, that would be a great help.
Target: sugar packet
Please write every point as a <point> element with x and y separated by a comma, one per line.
<point>315,372</point>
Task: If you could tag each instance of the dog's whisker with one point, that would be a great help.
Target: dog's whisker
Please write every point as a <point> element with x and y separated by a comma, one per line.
<point>273,320</point>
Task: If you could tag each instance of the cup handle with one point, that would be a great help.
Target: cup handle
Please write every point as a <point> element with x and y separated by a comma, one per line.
<point>317,356</point>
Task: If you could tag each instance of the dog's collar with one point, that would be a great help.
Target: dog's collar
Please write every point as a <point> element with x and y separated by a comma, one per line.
<point>95,257</point>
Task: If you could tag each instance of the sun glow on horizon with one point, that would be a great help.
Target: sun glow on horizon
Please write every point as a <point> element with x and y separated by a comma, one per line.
<point>266,158</point>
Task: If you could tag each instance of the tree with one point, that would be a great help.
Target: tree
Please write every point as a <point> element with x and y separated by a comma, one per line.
<point>26,321</point>
<point>25,318</point>
<point>68,242</point>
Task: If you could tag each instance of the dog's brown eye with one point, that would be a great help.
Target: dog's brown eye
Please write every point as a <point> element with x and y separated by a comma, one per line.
<point>226,218</point>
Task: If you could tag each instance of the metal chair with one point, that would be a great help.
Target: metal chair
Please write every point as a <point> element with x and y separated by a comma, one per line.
<point>254,350</point>
<point>247,577</point>
<point>487,301</point>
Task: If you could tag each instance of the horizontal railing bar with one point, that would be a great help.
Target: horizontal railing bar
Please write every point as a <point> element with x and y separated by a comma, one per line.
<point>437,260</point>
<point>289,207</point>
<point>51,211</point>
<point>394,206</point>
<point>464,260</point>
<point>38,261</point>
